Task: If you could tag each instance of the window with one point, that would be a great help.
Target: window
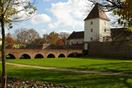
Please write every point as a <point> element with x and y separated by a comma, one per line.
<point>104,30</point>
<point>91,22</point>
<point>86,46</point>
<point>91,30</point>
<point>103,38</point>
<point>91,38</point>
<point>105,22</point>
<point>71,43</point>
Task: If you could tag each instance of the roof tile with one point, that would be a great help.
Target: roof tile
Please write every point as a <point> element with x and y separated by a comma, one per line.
<point>97,12</point>
<point>77,35</point>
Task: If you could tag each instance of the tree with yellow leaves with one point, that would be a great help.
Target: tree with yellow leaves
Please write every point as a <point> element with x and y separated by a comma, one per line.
<point>125,13</point>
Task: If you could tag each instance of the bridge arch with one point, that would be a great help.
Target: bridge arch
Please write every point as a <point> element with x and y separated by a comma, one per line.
<point>25,56</point>
<point>32,53</point>
<point>61,55</point>
<point>74,54</point>
<point>10,56</point>
<point>39,56</point>
<point>51,55</point>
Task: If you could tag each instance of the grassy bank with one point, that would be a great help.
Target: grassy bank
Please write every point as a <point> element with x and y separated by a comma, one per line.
<point>69,78</point>
<point>80,63</point>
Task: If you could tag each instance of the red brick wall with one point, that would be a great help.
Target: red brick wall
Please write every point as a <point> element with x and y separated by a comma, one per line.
<point>33,52</point>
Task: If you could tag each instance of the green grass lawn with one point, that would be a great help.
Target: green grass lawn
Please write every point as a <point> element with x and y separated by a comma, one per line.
<point>69,78</point>
<point>78,80</point>
<point>80,63</point>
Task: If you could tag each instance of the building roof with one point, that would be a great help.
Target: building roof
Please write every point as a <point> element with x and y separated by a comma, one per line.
<point>97,12</point>
<point>115,32</point>
<point>76,35</point>
<point>120,33</point>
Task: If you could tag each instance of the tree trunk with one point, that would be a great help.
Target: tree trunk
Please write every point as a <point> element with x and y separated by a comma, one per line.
<point>3,53</point>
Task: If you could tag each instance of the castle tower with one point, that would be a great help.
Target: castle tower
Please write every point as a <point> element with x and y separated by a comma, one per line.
<point>96,26</point>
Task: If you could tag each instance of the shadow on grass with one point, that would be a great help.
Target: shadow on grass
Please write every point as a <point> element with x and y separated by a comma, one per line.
<point>110,67</point>
<point>105,57</point>
<point>70,78</point>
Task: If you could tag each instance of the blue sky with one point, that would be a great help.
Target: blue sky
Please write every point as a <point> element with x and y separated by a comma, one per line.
<point>58,16</point>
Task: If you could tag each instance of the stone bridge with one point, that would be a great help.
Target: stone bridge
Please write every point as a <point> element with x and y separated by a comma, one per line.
<point>39,53</point>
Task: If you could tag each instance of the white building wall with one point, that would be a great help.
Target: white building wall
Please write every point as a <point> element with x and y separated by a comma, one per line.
<point>0,42</point>
<point>75,41</point>
<point>104,29</point>
<point>100,29</point>
<point>88,27</point>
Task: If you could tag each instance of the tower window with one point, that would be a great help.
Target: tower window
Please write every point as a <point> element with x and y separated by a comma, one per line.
<point>105,22</point>
<point>104,30</point>
<point>91,30</point>
<point>91,22</point>
<point>103,38</point>
<point>91,38</point>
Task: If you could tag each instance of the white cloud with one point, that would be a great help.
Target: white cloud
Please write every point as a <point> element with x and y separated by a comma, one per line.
<point>47,0</point>
<point>113,19</point>
<point>71,13</point>
<point>66,16</point>
<point>41,18</point>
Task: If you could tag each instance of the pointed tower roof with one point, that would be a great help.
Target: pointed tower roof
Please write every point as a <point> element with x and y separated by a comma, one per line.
<point>97,12</point>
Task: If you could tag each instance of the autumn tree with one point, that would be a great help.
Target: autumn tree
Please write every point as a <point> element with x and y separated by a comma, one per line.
<point>125,13</point>
<point>12,11</point>
<point>60,42</point>
<point>63,38</point>
<point>26,36</point>
<point>21,36</point>
<point>39,42</point>
<point>53,38</point>
<point>45,38</point>
<point>36,44</point>
<point>9,41</point>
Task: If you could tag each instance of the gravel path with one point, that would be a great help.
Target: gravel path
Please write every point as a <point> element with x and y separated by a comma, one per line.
<point>74,70</point>
<point>17,83</point>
